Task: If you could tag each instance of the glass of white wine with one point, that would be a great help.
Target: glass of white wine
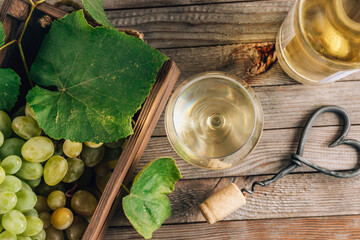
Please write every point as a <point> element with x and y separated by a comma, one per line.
<point>319,41</point>
<point>214,120</point>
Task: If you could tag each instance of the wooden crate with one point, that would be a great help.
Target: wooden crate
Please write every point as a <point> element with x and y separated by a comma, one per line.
<point>13,14</point>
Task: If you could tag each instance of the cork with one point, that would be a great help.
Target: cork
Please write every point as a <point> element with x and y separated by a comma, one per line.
<point>222,204</point>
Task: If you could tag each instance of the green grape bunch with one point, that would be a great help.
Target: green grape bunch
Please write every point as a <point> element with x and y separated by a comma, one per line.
<point>49,189</point>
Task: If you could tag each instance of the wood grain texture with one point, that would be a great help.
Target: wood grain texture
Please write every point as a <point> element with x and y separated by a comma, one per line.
<point>336,227</point>
<point>210,24</point>
<point>271,154</point>
<point>235,59</point>
<point>296,195</point>
<point>116,4</point>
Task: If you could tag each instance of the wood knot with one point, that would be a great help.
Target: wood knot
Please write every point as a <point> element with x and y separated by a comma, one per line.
<point>266,56</point>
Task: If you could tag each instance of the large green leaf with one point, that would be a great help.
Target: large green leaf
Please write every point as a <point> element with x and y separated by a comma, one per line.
<point>96,10</point>
<point>101,76</point>
<point>147,205</point>
<point>2,34</point>
<point>9,88</point>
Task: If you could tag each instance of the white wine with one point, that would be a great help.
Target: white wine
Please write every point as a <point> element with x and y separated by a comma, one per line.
<point>210,118</point>
<point>319,41</point>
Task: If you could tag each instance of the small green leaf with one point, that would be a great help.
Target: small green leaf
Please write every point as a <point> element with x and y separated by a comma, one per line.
<point>147,206</point>
<point>101,76</point>
<point>9,88</point>
<point>2,34</point>
<point>96,10</point>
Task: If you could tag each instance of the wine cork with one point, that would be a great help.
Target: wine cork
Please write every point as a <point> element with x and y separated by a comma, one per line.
<point>222,204</point>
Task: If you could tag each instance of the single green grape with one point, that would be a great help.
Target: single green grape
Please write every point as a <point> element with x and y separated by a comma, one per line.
<point>34,226</point>
<point>11,164</point>
<point>5,235</point>
<point>75,170</point>
<point>34,183</point>
<point>102,169</point>
<point>5,124</point>
<point>2,138</point>
<point>83,203</point>
<point>62,218</point>
<point>38,149</point>
<point>26,127</point>
<point>101,182</point>
<point>21,237</point>
<point>41,204</point>
<point>112,154</point>
<point>26,200</point>
<point>31,212</point>
<point>45,190</point>
<point>118,144</point>
<point>25,186</point>
<point>45,217</point>
<point>72,149</point>
<point>77,229</point>
<point>11,146</point>
<point>40,236</point>
<point>29,112</point>
<point>56,199</point>
<point>11,184</point>
<point>30,170</point>
<point>7,201</point>
<point>54,234</point>
<point>55,170</point>
<point>14,222</point>
<point>2,175</point>
<point>93,145</point>
<point>92,156</point>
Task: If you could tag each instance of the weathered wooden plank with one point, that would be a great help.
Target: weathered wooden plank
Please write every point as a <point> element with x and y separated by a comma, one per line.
<point>116,4</point>
<point>288,106</point>
<point>211,24</point>
<point>235,59</point>
<point>271,154</point>
<point>337,227</point>
<point>296,195</point>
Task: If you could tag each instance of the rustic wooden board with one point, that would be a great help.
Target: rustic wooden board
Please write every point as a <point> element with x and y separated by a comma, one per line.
<point>344,227</point>
<point>116,4</point>
<point>235,59</point>
<point>210,24</point>
<point>296,195</point>
<point>270,155</point>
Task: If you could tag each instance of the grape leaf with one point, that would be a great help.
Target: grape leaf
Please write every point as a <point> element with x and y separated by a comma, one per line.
<point>96,10</point>
<point>147,205</point>
<point>2,34</point>
<point>101,76</point>
<point>9,88</point>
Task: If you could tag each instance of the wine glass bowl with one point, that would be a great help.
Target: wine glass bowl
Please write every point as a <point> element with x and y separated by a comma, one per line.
<point>213,120</point>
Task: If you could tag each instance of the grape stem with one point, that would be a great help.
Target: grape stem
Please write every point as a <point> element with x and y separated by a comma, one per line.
<point>125,188</point>
<point>70,192</point>
<point>7,44</point>
<point>33,6</point>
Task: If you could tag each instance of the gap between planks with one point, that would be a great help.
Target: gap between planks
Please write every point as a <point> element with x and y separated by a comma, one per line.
<point>334,227</point>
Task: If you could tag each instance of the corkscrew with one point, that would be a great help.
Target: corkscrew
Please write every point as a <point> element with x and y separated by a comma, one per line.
<point>229,199</point>
<point>297,160</point>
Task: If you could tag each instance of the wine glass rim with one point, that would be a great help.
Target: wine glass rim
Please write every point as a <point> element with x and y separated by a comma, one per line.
<point>221,75</point>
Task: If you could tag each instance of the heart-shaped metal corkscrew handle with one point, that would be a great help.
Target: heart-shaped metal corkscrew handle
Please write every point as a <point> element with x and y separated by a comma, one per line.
<point>297,159</point>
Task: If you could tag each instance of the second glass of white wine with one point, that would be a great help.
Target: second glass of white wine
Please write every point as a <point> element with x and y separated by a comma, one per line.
<point>214,120</point>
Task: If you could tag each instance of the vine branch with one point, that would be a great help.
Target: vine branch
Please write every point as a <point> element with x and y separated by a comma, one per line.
<point>33,6</point>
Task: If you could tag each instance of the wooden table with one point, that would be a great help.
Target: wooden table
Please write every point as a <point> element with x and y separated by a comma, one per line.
<point>203,35</point>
